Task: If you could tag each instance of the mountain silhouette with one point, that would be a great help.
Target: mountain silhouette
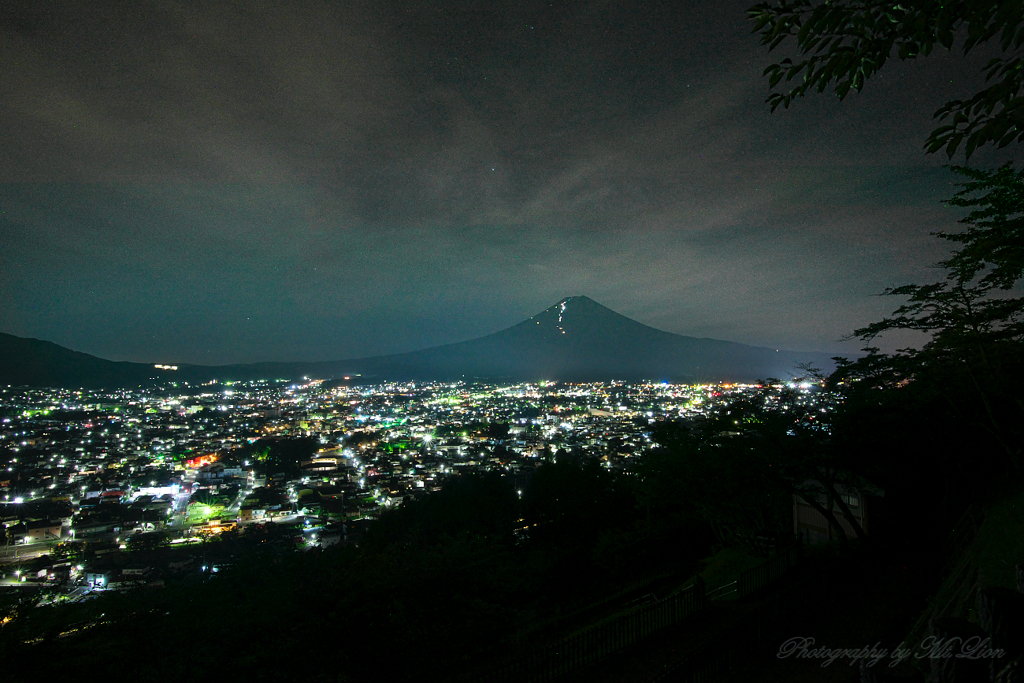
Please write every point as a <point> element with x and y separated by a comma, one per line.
<point>577,339</point>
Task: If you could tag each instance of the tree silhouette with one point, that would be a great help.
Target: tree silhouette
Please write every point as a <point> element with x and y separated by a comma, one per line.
<point>741,466</point>
<point>845,42</point>
<point>974,324</point>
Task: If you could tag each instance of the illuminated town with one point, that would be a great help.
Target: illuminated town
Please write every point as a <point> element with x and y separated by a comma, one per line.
<point>91,477</point>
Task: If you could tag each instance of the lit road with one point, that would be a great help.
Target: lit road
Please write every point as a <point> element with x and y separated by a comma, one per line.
<point>21,552</point>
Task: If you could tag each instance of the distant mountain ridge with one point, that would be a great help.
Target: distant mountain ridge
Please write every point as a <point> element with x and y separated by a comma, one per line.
<point>577,339</point>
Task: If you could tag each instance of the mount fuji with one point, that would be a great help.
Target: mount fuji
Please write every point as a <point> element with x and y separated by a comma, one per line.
<point>577,339</point>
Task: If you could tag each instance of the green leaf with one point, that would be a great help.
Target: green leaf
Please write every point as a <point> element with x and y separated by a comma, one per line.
<point>1009,137</point>
<point>972,142</point>
<point>951,146</point>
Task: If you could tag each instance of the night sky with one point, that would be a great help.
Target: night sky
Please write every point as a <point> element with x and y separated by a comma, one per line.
<point>216,182</point>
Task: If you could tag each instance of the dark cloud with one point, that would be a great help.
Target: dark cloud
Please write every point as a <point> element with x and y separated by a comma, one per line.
<point>216,182</point>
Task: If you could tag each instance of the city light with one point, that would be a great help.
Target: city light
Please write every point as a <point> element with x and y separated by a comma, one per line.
<point>202,467</point>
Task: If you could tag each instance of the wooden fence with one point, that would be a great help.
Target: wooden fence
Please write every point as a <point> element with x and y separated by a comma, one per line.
<point>757,632</point>
<point>589,646</point>
<point>593,644</point>
<point>769,571</point>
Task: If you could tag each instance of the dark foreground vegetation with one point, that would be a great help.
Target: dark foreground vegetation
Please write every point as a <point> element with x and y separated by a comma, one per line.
<point>465,579</point>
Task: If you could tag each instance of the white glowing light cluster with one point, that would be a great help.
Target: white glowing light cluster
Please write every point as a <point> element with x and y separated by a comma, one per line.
<point>561,312</point>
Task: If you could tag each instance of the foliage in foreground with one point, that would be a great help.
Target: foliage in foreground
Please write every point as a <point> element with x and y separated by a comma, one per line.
<point>438,585</point>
